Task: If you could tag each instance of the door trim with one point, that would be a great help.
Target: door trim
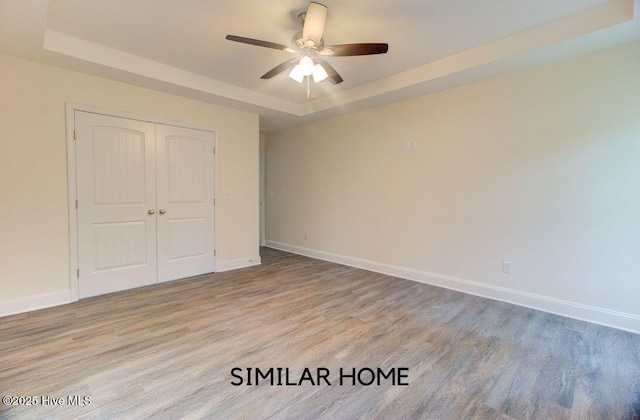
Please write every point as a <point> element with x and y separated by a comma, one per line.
<point>261,189</point>
<point>71,108</point>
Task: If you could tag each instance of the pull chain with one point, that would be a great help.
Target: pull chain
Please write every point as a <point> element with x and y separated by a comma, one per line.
<point>308,87</point>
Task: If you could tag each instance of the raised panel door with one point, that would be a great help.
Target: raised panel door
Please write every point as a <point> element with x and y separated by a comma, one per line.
<point>116,189</point>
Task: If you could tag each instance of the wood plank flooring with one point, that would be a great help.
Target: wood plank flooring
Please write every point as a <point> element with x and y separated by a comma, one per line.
<point>167,351</point>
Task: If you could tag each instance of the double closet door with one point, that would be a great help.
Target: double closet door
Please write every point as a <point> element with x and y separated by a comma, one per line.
<point>145,202</point>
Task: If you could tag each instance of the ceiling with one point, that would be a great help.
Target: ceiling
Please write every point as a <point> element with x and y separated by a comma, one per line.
<point>179,46</point>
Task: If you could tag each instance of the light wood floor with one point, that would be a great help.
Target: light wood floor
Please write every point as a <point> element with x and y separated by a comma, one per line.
<point>167,351</point>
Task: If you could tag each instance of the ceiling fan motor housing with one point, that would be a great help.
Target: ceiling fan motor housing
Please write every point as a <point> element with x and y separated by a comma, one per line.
<point>298,41</point>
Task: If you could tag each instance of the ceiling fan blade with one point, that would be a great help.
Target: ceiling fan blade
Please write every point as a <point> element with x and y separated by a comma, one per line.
<point>280,68</point>
<point>333,75</point>
<point>257,42</point>
<point>346,50</point>
<point>314,22</point>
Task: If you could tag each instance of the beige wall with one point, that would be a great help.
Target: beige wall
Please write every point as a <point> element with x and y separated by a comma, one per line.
<point>34,241</point>
<point>540,167</point>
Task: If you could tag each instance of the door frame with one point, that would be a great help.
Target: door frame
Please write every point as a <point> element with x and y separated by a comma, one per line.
<point>262,168</point>
<point>71,108</point>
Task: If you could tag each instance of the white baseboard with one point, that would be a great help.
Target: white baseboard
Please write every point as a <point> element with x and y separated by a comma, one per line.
<point>32,303</point>
<point>618,320</point>
<point>46,300</point>
<point>237,263</point>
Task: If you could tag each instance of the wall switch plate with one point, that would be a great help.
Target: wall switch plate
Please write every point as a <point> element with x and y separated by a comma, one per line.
<point>409,146</point>
<point>507,267</point>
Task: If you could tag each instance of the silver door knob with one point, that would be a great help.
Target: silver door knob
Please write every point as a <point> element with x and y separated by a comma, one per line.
<point>151,211</point>
<point>162,211</point>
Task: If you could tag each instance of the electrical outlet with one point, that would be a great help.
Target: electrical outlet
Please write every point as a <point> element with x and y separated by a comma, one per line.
<point>507,267</point>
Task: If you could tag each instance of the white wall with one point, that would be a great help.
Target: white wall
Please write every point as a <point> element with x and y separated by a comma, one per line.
<point>540,167</point>
<point>34,236</point>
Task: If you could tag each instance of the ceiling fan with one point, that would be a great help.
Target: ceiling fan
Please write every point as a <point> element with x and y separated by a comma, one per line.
<point>308,44</point>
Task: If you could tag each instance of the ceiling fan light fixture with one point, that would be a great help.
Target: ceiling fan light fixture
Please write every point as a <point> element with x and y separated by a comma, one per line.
<point>306,65</point>
<point>297,74</point>
<point>319,73</point>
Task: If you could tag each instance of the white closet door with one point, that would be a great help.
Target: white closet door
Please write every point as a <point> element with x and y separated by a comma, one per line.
<point>116,191</point>
<point>185,169</point>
